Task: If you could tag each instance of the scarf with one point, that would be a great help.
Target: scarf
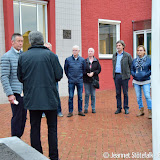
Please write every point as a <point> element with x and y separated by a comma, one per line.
<point>140,61</point>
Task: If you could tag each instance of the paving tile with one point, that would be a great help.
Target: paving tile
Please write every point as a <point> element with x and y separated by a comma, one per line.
<point>90,137</point>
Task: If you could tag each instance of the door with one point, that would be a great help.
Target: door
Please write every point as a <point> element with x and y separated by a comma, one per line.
<point>142,37</point>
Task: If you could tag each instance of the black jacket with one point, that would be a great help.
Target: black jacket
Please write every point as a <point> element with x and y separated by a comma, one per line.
<point>39,70</point>
<point>96,68</point>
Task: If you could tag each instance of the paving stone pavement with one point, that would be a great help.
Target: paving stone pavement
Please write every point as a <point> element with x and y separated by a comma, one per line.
<point>95,136</point>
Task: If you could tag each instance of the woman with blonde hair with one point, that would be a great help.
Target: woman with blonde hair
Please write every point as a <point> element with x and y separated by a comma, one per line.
<point>141,71</point>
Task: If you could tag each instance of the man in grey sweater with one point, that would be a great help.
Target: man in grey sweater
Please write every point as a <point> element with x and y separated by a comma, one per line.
<point>11,85</point>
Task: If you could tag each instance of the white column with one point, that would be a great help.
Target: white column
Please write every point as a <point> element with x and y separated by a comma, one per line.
<point>156,78</point>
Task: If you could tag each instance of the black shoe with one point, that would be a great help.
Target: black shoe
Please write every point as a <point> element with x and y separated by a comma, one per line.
<point>85,111</point>
<point>81,114</point>
<point>93,111</point>
<point>126,111</point>
<point>70,114</point>
<point>118,111</point>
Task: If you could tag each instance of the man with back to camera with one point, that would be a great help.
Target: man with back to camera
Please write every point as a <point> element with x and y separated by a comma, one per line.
<point>59,110</point>
<point>74,68</point>
<point>122,62</point>
<point>39,70</point>
<point>11,85</point>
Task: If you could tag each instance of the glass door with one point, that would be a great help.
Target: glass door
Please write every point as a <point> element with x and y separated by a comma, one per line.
<point>30,16</point>
<point>142,37</point>
<point>149,44</point>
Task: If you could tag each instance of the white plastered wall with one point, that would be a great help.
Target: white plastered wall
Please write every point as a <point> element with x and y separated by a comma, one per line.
<point>68,17</point>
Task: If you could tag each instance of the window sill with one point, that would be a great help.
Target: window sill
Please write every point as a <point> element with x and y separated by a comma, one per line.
<point>105,56</point>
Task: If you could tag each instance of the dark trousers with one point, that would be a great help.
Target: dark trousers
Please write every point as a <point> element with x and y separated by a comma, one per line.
<point>124,84</point>
<point>59,101</point>
<point>35,121</point>
<point>18,117</point>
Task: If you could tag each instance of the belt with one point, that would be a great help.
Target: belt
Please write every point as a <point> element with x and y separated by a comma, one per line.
<point>117,73</point>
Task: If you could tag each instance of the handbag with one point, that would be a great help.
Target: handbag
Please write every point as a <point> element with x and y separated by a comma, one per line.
<point>95,83</point>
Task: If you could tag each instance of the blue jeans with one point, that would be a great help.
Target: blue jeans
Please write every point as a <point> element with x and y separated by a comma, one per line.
<point>89,90</point>
<point>146,91</point>
<point>124,84</point>
<point>71,88</point>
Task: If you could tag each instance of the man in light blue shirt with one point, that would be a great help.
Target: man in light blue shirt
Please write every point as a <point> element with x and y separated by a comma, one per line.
<point>118,63</point>
<point>122,62</point>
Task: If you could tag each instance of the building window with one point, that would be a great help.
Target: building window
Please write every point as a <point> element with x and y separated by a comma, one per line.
<point>142,37</point>
<point>109,33</point>
<point>30,16</point>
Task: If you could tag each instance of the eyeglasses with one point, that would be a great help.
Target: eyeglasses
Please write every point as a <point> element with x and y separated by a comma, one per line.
<point>74,50</point>
<point>140,50</point>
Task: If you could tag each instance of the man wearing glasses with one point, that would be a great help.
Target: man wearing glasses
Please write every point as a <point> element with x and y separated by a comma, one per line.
<point>74,68</point>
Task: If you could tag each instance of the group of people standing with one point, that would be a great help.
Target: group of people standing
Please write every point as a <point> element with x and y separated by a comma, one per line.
<point>140,69</point>
<point>79,70</point>
<point>37,71</point>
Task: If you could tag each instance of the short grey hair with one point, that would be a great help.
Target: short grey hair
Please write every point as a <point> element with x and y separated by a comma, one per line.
<point>122,42</point>
<point>14,35</point>
<point>75,46</point>
<point>36,38</point>
<point>91,49</point>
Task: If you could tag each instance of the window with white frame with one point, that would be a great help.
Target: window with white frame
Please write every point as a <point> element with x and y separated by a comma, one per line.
<point>109,33</point>
<point>30,15</point>
<point>142,37</point>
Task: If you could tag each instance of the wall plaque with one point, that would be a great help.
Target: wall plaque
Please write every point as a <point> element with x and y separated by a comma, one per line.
<point>66,34</point>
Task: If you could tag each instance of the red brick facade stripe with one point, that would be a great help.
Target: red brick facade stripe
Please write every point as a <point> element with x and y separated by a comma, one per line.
<point>8,22</point>
<point>51,24</point>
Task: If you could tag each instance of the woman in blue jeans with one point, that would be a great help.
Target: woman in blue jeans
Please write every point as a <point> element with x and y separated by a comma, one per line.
<point>141,71</point>
<point>93,68</point>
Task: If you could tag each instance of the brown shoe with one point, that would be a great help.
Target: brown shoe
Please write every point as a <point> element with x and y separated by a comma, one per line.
<point>141,112</point>
<point>81,114</point>
<point>70,114</point>
<point>149,114</point>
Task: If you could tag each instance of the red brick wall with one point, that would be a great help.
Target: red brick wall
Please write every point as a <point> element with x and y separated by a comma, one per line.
<point>122,10</point>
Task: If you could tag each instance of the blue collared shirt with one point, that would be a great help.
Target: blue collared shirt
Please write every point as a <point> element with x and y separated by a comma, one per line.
<point>118,63</point>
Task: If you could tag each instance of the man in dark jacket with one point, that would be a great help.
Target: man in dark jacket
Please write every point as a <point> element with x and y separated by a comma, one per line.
<point>74,68</point>
<point>122,62</point>
<point>39,70</point>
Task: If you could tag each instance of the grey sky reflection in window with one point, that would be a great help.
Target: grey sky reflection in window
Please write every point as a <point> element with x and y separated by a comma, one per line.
<point>16,17</point>
<point>29,17</point>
